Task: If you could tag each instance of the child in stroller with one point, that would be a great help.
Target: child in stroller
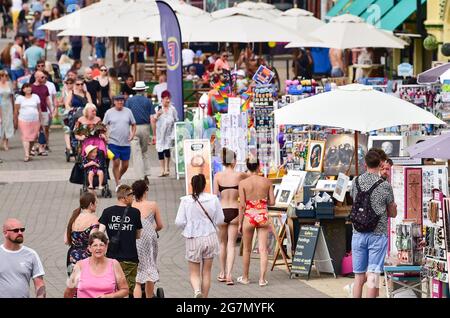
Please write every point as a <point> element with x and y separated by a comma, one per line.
<point>92,167</point>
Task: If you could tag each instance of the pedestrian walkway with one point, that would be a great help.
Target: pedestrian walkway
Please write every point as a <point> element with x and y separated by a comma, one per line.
<point>39,194</point>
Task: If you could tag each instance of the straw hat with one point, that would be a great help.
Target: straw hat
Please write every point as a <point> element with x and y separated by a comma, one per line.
<point>89,148</point>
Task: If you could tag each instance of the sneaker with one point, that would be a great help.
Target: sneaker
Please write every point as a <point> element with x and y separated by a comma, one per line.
<point>198,294</point>
<point>349,290</point>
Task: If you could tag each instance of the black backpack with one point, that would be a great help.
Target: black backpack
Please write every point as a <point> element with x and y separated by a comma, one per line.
<point>363,217</point>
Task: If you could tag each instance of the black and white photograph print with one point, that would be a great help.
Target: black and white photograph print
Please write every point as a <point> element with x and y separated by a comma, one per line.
<point>340,153</point>
<point>391,145</point>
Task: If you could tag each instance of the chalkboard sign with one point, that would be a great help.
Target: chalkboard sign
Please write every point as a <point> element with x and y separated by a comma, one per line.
<point>304,252</point>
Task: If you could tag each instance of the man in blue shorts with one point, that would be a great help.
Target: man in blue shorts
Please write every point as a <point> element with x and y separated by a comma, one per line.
<point>121,130</point>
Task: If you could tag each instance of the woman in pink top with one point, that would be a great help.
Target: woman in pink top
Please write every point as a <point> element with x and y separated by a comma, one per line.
<point>97,276</point>
<point>222,63</point>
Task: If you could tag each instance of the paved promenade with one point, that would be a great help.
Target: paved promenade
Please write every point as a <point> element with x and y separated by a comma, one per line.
<point>39,194</point>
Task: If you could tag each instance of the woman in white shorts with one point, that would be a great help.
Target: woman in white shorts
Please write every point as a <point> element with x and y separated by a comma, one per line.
<point>198,216</point>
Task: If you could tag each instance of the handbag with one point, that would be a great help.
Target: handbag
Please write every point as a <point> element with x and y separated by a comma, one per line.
<point>347,264</point>
<point>114,241</point>
<point>204,210</point>
<point>76,176</point>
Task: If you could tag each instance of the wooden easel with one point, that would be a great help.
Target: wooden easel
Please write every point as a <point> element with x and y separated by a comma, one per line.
<point>280,236</point>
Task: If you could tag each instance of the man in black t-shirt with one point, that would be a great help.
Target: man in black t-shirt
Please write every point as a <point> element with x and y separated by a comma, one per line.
<point>110,221</point>
<point>92,86</point>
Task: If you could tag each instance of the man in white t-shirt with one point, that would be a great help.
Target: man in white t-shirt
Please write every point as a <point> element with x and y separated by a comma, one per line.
<point>188,56</point>
<point>19,264</point>
<point>161,87</point>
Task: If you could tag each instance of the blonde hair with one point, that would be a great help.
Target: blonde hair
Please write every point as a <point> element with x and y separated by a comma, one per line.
<point>87,107</point>
<point>3,73</point>
<point>123,190</point>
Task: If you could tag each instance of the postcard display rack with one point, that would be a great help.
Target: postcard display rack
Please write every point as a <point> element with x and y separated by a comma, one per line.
<point>263,106</point>
<point>233,135</point>
<point>419,192</point>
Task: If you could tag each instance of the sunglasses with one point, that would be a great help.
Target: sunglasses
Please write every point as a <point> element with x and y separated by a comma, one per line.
<point>79,84</point>
<point>103,70</point>
<point>40,65</point>
<point>21,229</point>
<point>131,193</point>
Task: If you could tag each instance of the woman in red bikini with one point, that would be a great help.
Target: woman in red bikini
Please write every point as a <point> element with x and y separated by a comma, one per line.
<point>226,186</point>
<point>255,193</point>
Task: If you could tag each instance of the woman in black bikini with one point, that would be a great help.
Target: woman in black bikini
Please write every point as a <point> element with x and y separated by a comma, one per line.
<point>226,186</point>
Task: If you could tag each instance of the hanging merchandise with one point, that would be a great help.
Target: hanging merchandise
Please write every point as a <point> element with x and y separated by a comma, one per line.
<point>234,132</point>
<point>409,235</point>
<point>263,106</point>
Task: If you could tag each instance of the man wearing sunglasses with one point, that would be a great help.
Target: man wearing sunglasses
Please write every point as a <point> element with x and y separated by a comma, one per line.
<point>19,264</point>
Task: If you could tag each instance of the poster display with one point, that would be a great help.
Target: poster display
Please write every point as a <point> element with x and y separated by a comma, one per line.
<point>264,124</point>
<point>182,132</point>
<point>233,134</point>
<point>398,187</point>
<point>197,159</point>
<point>340,154</point>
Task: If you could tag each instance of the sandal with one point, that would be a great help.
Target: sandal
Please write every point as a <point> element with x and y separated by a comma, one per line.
<point>264,283</point>
<point>43,153</point>
<point>230,282</point>
<point>91,188</point>
<point>240,280</point>
<point>162,174</point>
<point>221,279</point>
<point>26,159</point>
<point>32,153</point>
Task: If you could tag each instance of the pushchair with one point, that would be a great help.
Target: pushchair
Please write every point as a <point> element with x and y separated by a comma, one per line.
<point>79,174</point>
<point>70,119</point>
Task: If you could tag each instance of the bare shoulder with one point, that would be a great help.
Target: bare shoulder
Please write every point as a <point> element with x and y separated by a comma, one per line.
<point>152,205</point>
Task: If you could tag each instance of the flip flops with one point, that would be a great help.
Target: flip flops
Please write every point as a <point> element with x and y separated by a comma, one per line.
<point>221,279</point>
<point>264,283</point>
<point>241,280</point>
<point>230,282</point>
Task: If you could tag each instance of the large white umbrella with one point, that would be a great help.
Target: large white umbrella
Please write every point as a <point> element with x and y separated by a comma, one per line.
<point>245,26</point>
<point>299,19</point>
<point>357,107</point>
<point>227,25</point>
<point>348,31</point>
<point>261,9</point>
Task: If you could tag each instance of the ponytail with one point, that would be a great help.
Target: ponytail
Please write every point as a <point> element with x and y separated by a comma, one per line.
<point>85,200</point>
<point>72,219</point>
<point>198,183</point>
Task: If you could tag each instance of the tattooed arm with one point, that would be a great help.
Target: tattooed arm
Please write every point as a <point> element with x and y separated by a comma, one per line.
<point>39,286</point>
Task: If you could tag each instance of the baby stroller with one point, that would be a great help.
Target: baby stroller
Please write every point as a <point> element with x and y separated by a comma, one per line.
<point>79,174</point>
<point>70,119</point>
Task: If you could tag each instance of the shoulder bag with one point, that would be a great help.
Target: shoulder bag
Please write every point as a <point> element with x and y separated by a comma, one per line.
<point>204,210</point>
<point>114,242</point>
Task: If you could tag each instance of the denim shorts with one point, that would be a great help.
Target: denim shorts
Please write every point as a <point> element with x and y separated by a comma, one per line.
<point>368,252</point>
<point>120,152</point>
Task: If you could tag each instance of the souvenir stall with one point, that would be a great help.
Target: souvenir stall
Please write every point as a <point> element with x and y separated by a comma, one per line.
<point>334,157</point>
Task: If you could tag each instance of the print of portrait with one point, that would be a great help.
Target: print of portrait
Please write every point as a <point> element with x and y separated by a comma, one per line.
<point>284,196</point>
<point>391,145</point>
<point>316,151</point>
<point>340,152</point>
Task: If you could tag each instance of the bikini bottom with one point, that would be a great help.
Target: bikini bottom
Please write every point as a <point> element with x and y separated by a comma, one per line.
<point>230,214</point>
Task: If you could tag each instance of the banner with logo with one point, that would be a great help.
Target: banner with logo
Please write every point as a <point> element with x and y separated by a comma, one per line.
<point>171,38</point>
<point>197,159</point>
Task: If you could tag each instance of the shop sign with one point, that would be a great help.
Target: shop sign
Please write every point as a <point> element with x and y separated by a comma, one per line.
<point>406,161</point>
<point>263,75</point>
<point>197,160</point>
<point>305,249</point>
<point>405,69</point>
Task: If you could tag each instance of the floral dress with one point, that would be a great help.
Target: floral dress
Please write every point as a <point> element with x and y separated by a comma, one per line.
<point>6,122</point>
<point>78,249</point>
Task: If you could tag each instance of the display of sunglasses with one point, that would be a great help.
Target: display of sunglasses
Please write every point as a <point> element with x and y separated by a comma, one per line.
<point>21,229</point>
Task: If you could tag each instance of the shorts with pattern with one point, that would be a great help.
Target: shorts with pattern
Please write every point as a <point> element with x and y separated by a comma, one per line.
<point>199,248</point>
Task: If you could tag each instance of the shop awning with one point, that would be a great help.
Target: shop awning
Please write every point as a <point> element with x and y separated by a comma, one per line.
<point>358,7</point>
<point>382,6</point>
<point>398,14</point>
<point>338,8</point>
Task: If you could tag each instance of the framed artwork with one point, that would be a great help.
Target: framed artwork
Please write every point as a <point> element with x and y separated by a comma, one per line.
<point>312,178</point>
<point>341,187</point>
<point>284,197</point>
<point>326,185</point>
<point>340,154</point>
<point>316,152</point>
<point>391,145</point>
<point>413,194</point>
